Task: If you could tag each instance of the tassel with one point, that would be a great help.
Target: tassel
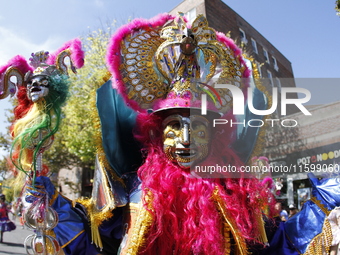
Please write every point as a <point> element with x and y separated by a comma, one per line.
<point>260,223</point>
<point>96,219</point>
<point>96,236</point>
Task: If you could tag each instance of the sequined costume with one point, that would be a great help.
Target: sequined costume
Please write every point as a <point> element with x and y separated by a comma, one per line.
<point>5,223</point>
<point>156,189</point>
<point>315,229</point>
<point>146,197</point>
<point>41,87</point>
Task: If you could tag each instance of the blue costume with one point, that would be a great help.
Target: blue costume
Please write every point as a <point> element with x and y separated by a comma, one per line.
<point>309,231</point>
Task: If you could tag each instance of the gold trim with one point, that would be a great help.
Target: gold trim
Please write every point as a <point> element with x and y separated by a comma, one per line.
<point>96,218</point>
<point>320,205</point>
<point>140,230</point>
<point>321,243</point>
<point>73,239</point>
<point>99,140</point>
<point>260,141</point>
<point>240,241</point>
<point>226,236</point>
<point>54,197</point>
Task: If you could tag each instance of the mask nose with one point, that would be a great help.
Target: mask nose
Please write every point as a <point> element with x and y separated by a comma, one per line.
<point>186,135</point>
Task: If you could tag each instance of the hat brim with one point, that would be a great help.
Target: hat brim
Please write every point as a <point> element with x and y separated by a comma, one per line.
<point>165,112</point>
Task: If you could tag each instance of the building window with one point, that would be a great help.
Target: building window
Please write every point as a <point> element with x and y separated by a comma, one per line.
<point>275,64</point>
<point>265,53</point>
<point>270,77</point>
<point>254,45</point>
<point>191,15</point>
<point>243,36</point>
<point>278,84</point>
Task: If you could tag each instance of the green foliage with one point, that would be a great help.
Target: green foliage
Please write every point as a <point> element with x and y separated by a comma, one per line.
<point>5,142</point>
<point>9,193</point>
<point>77,131</point>
<point>337,7</point>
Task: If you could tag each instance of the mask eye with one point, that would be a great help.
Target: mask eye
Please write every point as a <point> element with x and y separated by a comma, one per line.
<point>44,83</point>
<point>175,125</point>
<point>201,134</point>
<point>170,134</point>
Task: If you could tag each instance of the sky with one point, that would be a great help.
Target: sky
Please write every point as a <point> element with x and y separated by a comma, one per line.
<point>305,31</point>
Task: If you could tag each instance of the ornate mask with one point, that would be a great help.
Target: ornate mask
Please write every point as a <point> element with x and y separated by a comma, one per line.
<point>186,139</point>
<point>37,88</point>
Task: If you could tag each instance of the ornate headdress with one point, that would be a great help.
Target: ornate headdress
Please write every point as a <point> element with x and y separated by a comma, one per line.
<point>165,63</point>
<point>41,64</point>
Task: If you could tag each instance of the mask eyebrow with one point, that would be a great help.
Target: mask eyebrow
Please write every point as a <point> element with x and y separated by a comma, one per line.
<point>171,118</point>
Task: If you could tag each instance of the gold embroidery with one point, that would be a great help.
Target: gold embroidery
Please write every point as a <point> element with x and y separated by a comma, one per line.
<point>241,245</point>
<point>140,228</point>
<point>320,205</point>
<point>321,243</point>
<point>96,218</point>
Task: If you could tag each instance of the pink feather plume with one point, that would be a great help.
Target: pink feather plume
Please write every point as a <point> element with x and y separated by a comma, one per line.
<point>77,54</point>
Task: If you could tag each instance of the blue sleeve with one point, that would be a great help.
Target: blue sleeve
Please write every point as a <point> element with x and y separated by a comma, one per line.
<point>280,245</point>
<point>117,123</point>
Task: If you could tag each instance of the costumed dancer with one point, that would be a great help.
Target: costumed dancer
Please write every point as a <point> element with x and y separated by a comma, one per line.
<point>315,230</point>
<point>41,88</point>
<point>5,223</point>
<point>147,196</point>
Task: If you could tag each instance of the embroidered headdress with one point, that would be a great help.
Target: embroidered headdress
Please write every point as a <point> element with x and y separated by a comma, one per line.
<point>41,63</point>
<point>166,63</point>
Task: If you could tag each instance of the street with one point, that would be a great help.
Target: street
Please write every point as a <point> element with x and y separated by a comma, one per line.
<point>13,242</point>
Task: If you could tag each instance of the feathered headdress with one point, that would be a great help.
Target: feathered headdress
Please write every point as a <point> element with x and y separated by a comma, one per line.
<point>166,63</point>
<point>41,63</point>
<point>41,117</point>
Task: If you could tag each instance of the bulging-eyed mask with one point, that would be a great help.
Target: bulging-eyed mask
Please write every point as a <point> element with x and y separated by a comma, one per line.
<point>186,139</point>
<point>37,88</point>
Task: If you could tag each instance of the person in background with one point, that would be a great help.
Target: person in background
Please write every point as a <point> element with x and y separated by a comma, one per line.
<point>5,223</point>
<point>283,213</point>
<point>292,210</point>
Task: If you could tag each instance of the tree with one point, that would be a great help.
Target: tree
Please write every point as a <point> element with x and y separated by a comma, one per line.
<point>337,7</point>
<point>80,122</point>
